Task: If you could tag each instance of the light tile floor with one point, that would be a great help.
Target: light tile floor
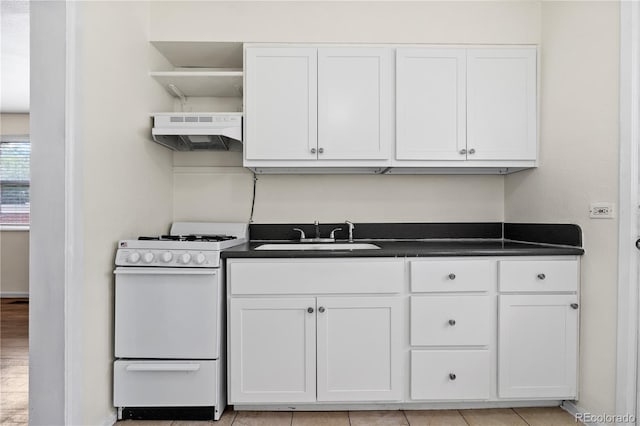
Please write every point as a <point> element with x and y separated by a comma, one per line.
<point>489,417</point>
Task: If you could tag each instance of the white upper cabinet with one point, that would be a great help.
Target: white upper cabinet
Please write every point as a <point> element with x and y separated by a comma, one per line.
<point>501,104</point>
<point>281,103</point>
<point>453,109</point>
<point>354,103</point>
<point>430,104</point>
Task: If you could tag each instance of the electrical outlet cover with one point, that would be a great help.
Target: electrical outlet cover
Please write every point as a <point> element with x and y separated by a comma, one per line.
<point>601,211</point>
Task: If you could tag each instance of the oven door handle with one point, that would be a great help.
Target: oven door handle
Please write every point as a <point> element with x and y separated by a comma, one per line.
<point>164,271</point>
<point>163,367</point>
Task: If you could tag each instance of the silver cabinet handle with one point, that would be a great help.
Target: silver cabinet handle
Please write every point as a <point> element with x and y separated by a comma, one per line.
<point>320,150</point>
<point>574,305</point>
<point>463,151</point>
<point>541,276</point>
<point>472,151</point>
<point>310,310</point>
<point>452,376</point>
<point>452,322</point>
<point>321,309</point>
<point>313,150</point>
<point>452,276</point>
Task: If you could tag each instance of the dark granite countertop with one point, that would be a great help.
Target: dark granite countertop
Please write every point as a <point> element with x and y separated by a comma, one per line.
<point>419,248</point>
<point>422,240</point>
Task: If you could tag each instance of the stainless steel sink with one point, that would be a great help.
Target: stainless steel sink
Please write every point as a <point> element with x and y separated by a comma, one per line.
<point>318,246</point>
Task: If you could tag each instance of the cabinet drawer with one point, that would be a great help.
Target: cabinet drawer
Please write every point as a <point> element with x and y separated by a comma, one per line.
<point>450,320</point>
<point>164,383</point>
<point>538,275</point>
<point>316,276</point>
<point>444,375</point>
<point>452,275</point>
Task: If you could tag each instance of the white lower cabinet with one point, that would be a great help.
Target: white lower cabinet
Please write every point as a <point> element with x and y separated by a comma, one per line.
<point>450,320</point>
<point>538,328</point>
<point>278,346</point>
<point>358,343</point>
<point>273,350</point>
<point>538,346</point>
<point>329,331</point>
<point>450,374</point>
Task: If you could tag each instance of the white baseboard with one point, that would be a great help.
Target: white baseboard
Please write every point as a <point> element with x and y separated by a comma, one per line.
<point>13,294</point>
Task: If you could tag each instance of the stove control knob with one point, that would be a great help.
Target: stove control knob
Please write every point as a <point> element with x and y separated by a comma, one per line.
<point>185,258</point>
<point>166,257</point>
<point>200,258</point>
<point>148,257</point>
<point>134,257</point>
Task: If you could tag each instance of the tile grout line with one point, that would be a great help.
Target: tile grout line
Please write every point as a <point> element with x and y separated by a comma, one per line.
<point>523,419</point>
<point>464,419</point>
<point>406,418</point>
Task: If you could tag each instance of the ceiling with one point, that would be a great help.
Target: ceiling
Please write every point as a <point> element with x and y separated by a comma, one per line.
<point>14,56</point>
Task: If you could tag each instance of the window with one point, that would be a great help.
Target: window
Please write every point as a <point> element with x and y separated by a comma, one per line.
<point>15,154</point>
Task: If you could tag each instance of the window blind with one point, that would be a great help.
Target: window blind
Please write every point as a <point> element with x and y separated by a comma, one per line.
<point>14,182</point>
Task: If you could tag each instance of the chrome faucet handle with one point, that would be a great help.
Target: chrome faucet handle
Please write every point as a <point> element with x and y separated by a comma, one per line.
<point>351,226</point>
<point>333,233</point>
<point>302,236</point>
<point>317,225</point>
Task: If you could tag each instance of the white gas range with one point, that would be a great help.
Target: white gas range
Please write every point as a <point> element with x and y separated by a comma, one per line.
<point>169,321</point>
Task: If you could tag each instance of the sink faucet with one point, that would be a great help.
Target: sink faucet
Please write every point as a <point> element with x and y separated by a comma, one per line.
<point>351,226</point>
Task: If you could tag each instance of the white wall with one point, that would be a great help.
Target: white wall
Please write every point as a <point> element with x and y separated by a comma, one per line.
<point>198,194</point>
<point>14,244</point>
<point>48,255</point>
<point>127,177</point>
<point>579,165</point>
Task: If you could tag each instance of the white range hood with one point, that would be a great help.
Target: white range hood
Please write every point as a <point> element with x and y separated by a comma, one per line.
<point>190,131</point>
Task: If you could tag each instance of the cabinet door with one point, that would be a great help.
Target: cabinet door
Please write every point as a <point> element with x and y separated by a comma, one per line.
<point>430,104</point>
<point>354,111</point>
<point>281,103</point>
<point>272,350</point>
<point>501,104</point>
<point>538,346</point>
<point>359,349</point>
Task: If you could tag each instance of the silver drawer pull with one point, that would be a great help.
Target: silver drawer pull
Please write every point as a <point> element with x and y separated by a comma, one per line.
<point>310,310</point>
<point>574,305</point>
<point>163,367</point>
<point>541,276</point>
<point>452,376</point>
<point>321,309</point>
<point>452,276</point>
<point>452,322</point>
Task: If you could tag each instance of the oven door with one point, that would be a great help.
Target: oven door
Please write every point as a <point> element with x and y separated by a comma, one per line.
<point>170,313</point>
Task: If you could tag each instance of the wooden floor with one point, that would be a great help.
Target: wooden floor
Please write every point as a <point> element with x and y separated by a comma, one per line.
<point>14,361</point>
<point>14,385</point>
